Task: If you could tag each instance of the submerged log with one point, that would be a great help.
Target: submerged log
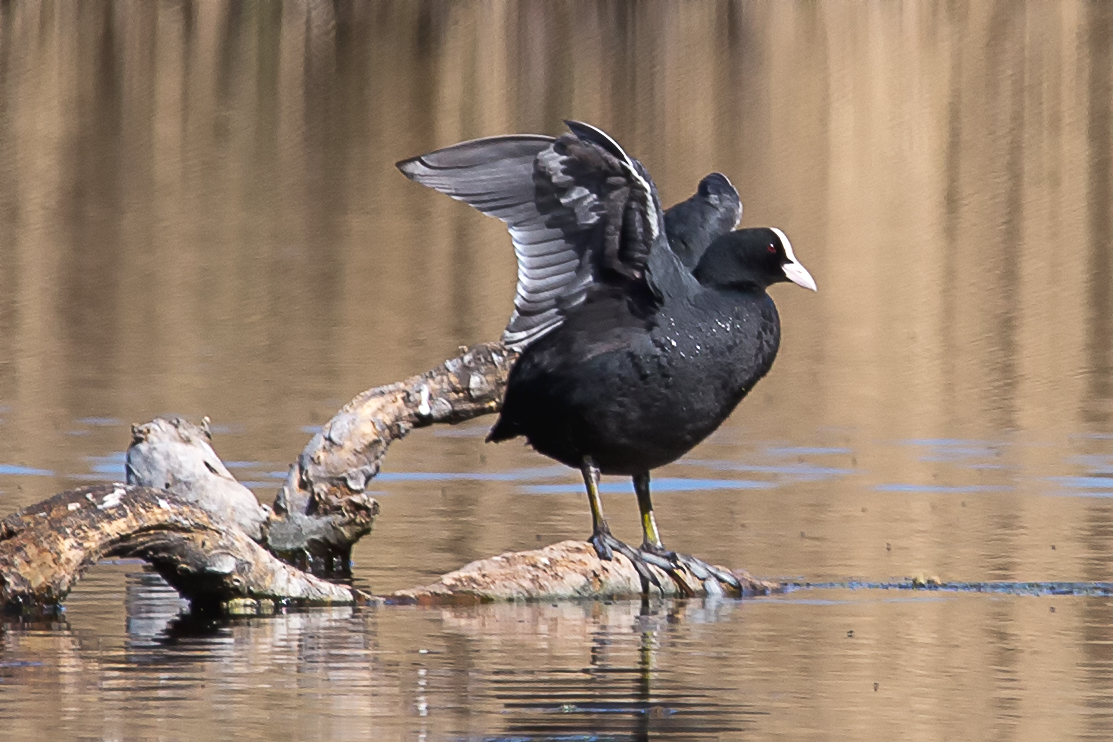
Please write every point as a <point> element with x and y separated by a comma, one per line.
<point>562,571</point>
<point>44,550</point>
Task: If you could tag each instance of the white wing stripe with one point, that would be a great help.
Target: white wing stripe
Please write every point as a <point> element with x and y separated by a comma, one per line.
<point>632,171</point>
<point>553,201</point>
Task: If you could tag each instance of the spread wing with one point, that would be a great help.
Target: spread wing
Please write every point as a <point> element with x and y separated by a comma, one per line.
<point>694,224</point>
<point>580,211</point>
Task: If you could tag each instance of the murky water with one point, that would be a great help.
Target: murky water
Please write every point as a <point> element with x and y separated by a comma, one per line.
<point>199,215</point>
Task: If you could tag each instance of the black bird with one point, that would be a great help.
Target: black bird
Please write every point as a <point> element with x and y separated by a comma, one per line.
<point>628,359</point>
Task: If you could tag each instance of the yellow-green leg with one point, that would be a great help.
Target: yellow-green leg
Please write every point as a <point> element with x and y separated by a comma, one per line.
<point>591,481</point>
<point>600,532</point>
<point>651,537</point>
<point>605,544</point>
<point>653,549</point>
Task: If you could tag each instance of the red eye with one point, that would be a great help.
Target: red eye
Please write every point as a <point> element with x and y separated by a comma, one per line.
<point>772,249</point>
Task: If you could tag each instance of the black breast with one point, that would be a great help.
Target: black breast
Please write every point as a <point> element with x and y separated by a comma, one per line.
<point>636,392</point>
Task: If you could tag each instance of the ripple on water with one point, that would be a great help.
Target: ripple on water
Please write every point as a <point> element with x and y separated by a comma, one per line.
<point>99,422</point>
<point>1085,483</point>
<point>807,451</point>
<point>800,470</point>
<point>110,467</point>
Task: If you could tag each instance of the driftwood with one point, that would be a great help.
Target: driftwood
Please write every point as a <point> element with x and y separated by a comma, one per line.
<point>176,456</point>
<point>184,513</point>
<point>562,571</point>
<point>347,452</point>
<point>45,548</point>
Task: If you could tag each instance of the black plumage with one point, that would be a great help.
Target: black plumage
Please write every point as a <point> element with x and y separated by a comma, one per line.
<point>635,382</point>
<point>692,225</point>
<point>629,356</point>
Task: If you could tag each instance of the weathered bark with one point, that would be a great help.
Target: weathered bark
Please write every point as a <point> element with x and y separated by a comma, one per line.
<point>563,571</point>
<point>44,549</point>
<point>345,454</point>
<point>175,455</point>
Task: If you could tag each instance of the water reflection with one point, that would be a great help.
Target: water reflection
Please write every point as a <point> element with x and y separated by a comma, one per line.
<point>800,665</point>
<point>622,692</point>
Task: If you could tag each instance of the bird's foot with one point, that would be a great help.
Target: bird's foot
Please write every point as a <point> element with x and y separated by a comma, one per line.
<point>606,544</point>
<point>673,563</point>
<point>601,539</point>
<point>659,556</point>
<point>676,566</point>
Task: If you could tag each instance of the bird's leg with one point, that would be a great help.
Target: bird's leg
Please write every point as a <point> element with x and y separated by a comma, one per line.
<point>651,537</point>
<point>605,544</point>
<point>599,528</point>
<point>653,549</point>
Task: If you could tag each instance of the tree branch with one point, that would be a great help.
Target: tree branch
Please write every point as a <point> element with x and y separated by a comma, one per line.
<point>44,550</point>
<point>347,452</point>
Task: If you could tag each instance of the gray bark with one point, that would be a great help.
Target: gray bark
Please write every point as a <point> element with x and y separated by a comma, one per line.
<point>44,550</point>
<point>176,456</point>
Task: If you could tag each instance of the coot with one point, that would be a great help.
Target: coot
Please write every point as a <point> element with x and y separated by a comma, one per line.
<point>628,358</point>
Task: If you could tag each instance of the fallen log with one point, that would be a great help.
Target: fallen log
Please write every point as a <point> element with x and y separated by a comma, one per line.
<point>207,535</point>
<point>563,571</point>
<point>44,550</point>
<point>344,456</point>
<point>176,456</point>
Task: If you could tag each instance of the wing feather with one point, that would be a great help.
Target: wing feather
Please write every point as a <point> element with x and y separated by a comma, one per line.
<point>694,224</point>
<point>580,211</point>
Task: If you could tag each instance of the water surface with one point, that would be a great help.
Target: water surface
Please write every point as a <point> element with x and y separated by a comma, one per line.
<point>199,215</point>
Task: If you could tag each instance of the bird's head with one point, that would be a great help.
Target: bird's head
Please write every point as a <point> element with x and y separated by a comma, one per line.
<point>756,257</point>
